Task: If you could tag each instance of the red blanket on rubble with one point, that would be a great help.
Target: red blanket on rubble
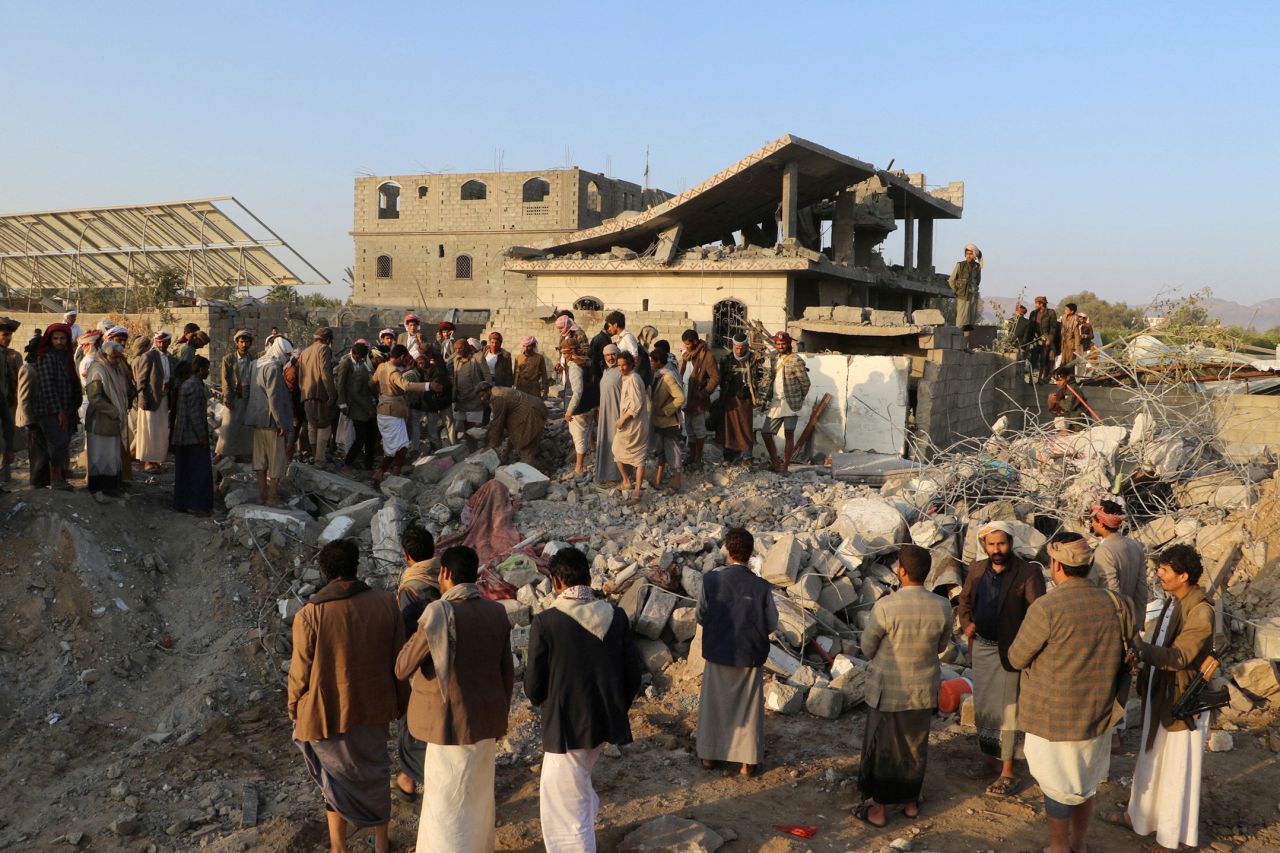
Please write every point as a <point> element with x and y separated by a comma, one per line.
<point>489,527</point>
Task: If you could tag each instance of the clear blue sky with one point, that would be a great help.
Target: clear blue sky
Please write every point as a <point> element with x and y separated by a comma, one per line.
<point>1123,148</point>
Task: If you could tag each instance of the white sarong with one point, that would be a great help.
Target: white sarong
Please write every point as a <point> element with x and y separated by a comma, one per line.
<point>457,800</point>
<point>568,801</point>
<point>1166,780</point>
<point>1069,771</point>
<point>153,434</point>
<point>395,435</point>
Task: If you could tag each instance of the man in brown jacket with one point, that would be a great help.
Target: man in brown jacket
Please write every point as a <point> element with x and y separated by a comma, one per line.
<point>703,379</point>
<point>393,410</point>
<point>1069,650</point>
<point>343,693</point>
<point>997,592</point>
<point>518,416</point>
<point>318,391</point>
<point>460,667</point>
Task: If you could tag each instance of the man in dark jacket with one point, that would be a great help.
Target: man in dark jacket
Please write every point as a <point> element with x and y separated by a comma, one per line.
<point>357,401</point>
<point>1022,335</point>
<point>583,673</point>
<point>1045,349</point>
<point>419,586</point>
<point>737,614</point>
<point>997,592</point>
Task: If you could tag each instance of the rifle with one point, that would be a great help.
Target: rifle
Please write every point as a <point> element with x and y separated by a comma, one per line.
<point>1199,696</point>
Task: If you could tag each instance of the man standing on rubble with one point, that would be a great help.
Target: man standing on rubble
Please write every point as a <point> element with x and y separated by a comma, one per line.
<point>993,603</point>
<point>419,586</point>
<point>1067,402</point>
<point>702,380</point>
<point>965,280</point>
<point>393,411</point>
<point>519,417</point>
<point>319,392</point>
<point>1120,565</point>
<point>583,674</point>
<point>1045,349</point>
<point>610,400</point>
<point>904,636</point>
<point>459,664</point>
<point>1069,334</point>
<point>343,693</point>
<point>787,390</point>
<point>10,364</point>
<point>1069,650</point>
<point>270,415</point>
<point>744,387</point>
<point>737,614</point>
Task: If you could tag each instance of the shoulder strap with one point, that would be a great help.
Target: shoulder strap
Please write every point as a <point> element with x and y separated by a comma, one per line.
<point>1122,615</point>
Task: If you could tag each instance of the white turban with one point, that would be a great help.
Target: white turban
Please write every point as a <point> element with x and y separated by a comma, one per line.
<point>996,527</point>
<point>977,254</point>
<point>279,349</point>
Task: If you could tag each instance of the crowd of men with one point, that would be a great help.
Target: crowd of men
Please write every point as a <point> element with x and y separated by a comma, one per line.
<point>1046,342</point>
<point>1049,662</point>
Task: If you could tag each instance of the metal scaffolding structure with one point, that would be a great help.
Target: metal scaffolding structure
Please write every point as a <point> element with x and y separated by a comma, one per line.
<point>64,252</point>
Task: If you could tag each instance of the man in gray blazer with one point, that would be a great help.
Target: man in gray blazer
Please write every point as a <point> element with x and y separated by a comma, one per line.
<point>905,633</point>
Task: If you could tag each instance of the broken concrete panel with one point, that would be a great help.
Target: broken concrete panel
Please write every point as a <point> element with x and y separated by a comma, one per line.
<point>622,253</point>
<point>691,580</point>
<point>454,452</point>
<point>795,625</point>
<point>518,614</point>
<point>398,487</point>
<point>430,470</point>
<point>783,698</point>
<point>330,486</point>
<point>668,245</point>
<point>838,594</point>
<point>1257,676</point>
<point>870,526</point>
<point>852,685</point>
<point>684,623</point>
<point>655,614</point>
<point>632,601</point>
<point>928,317</point>
<point>818,312</point>
<point>524,481</point>
<point>880,317</point>
<point>804,677</point>
<point>242,495</point>
<point>488,459</point>
<point>360,513</point>
<point>808,587</point>
<point>671,834</point>
<point>695,663</point>
<point>459,489</point>
<point>846,314</point>
<point>824,702</point>
<point>294,520</point>
<point>781,563</point>
<point>288,608</point>
<point>386,525</point>
<point>335,530</point>
<point>843,664</point>
<point>654,653</point>
<point>1234,496</point>
<point>1266,638</point>
<point>780,662</point>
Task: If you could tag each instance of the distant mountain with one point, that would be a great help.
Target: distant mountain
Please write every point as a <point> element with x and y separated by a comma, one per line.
<point>1261,316</point>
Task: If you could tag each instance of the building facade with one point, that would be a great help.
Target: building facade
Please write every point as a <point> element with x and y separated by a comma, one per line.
<point>442,240</point>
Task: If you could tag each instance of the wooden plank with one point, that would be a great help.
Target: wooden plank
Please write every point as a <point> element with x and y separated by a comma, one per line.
<point>249,805</point>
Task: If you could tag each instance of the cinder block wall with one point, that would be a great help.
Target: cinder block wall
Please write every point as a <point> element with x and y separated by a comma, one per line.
<point>959,395</point>
<point>1242,420</point>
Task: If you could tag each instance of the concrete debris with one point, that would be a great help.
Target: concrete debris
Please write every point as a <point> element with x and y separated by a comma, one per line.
<point>1220,741</point>
<point>654,654</point>
<point>684,623</point>
<point>657,610</point>
<point>782,561</point>
<point>523,481</point>
<point>782,698</point>
<point>294,520</point>
<point>672,834</point>
<point>386,525</point>
<point>824,702</point>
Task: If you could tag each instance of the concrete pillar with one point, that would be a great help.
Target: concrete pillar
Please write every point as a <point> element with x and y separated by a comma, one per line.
<point>924,256</point>
<point>790,199</point>
<point>909,240</point>
<point>841,229</point>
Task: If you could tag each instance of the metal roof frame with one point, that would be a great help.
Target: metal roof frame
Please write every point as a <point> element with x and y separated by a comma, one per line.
<point>62,251</point>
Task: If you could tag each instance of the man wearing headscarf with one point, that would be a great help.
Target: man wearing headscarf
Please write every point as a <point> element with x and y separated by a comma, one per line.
<point>10,364</point>
<point>56,401</point>
<point>744,390</point>
<point>468,372</point>
<point>393,410</point>
<point>234,438</point>
<point>357,400</point>
<point>610,390</point>
<point>1120,565</point>
<point>1069,650</point>
<point>582,397</point>
<point>192,471</point>
<point>106,425</point>
<point>459,665</point>
<point>702,377</point>
<point>965,280</point>
<point>69,319</point>
<point>531,369</point>
<point>24,417</point>
<point>787,389</point>
<point>499,363</point>
<point>318,392</point>
<point>518,416</point>
<point>413,338</point>
<point>153,374</point>
<point>270,415</point>
<point>992,605</point>
<point>631,432</point>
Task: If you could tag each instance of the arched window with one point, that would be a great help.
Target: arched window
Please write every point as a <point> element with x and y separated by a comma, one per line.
<point>384,266</point>
<point>474,191</point>
<point>535,189</point>
<point>462,266</point>
<point>728,318</point>
<point>593,197</point>
<point>588,303</point>
<point>422,191</point>
<point>389,200</point>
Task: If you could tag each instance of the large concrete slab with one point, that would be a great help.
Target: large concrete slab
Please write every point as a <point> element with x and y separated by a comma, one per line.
<point>868,409</point>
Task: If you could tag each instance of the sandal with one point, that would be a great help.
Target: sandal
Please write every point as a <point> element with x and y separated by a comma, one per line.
<point>402,795</point>
<point>1005,786</point>
<point>862,812</point>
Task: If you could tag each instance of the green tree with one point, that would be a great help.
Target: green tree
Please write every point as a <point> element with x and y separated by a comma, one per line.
<point>282,293</point>
<point>157,287</point>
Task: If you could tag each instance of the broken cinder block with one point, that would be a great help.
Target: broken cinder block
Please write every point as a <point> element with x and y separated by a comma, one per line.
<point>824,702</point>
<point>524,481</point>
<point>781,565</point>
<point>655,613</point>
<point>783,698</point>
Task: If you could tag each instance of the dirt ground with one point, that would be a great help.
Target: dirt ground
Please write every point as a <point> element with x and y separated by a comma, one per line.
<point>142,698</point>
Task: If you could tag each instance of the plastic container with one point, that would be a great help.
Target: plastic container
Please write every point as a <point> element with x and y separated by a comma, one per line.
<point>952,694</point>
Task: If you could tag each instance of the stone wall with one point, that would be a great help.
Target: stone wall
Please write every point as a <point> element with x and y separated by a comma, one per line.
<point>960,394</point>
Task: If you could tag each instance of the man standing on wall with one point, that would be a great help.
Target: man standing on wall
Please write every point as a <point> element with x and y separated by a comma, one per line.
<point>965,280</point>
<point>1045,320</point>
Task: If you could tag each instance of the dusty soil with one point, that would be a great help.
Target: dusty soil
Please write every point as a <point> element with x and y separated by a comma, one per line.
<point>142,728</point>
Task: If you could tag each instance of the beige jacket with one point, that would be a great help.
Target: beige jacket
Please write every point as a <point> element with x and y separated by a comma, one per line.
<point>905,633</point>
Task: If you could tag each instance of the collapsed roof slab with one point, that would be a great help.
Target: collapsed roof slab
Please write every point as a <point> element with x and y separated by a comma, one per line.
<point>749,192</point>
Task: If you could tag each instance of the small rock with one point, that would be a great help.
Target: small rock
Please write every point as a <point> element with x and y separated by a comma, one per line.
<point>125,826</point>
<point>1220,742</point>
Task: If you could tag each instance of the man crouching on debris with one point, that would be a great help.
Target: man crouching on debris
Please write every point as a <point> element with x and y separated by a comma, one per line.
<point>1067,402</point>
<point>517,416</point>
<point>737,614</point>
<point>583,674</point>
<point>997,592</point>
<point>343,694</point>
